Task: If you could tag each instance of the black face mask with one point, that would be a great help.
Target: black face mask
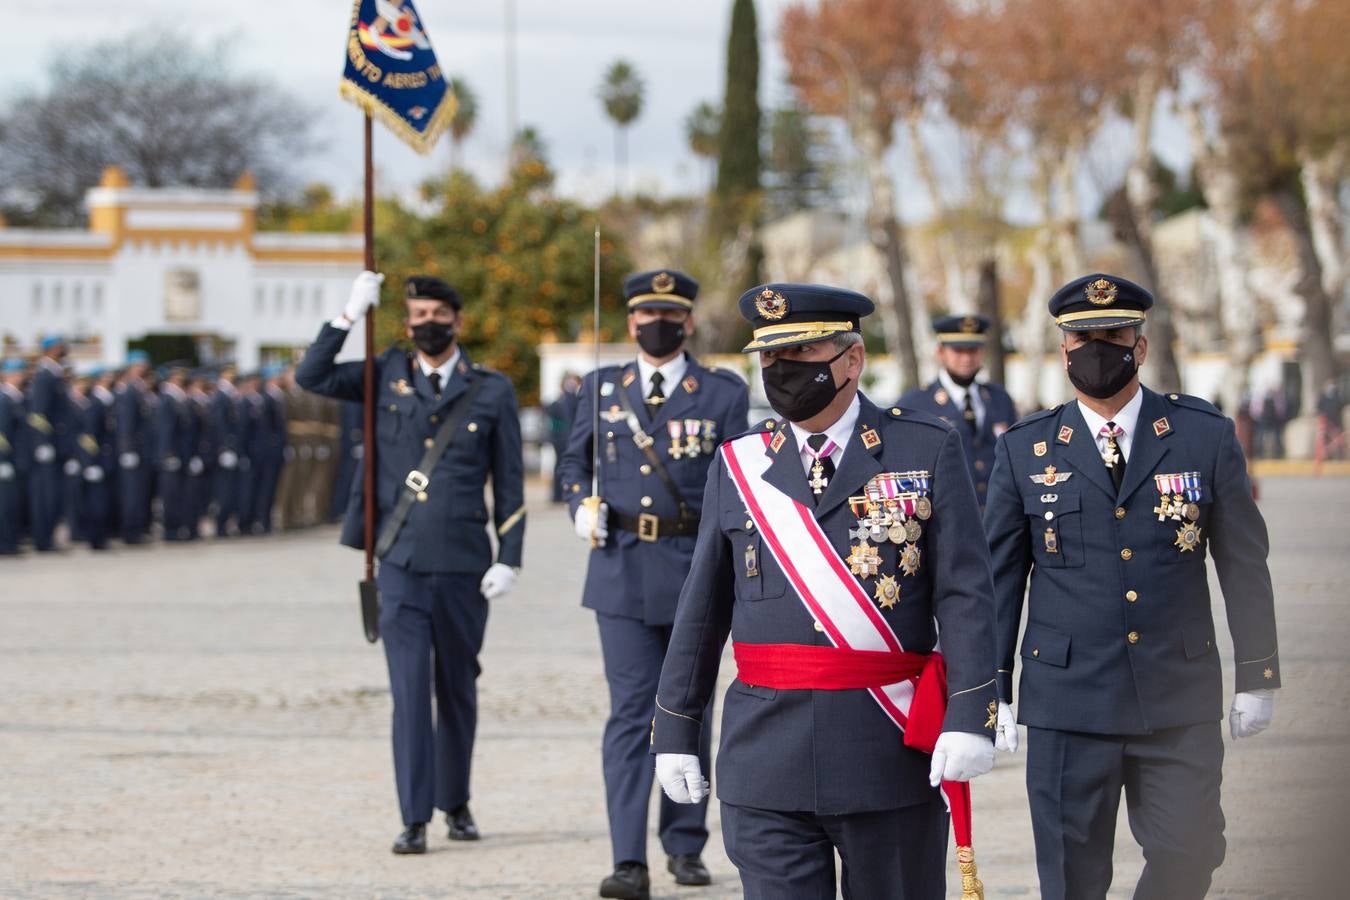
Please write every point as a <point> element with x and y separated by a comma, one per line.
<point>961,380</point>
<point>660,338</point>
<point>432,338</point>
<point>1101,369</point>
<point>800,390</point>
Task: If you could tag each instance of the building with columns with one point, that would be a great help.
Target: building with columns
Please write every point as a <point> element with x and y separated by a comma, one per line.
<point>173,267</point>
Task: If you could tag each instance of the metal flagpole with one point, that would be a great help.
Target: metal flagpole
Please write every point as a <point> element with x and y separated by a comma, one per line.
<point>370,604</point>
<point>593,501</point>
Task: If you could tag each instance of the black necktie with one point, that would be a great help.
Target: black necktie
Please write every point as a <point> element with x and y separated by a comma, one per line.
<point>435,379</point>
<point>1114,457</point>
<point>970,413</point>
<point>822,468</point>
<point>657,396</point>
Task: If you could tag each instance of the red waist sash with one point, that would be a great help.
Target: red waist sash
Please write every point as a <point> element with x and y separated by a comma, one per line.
<point>792,667</point>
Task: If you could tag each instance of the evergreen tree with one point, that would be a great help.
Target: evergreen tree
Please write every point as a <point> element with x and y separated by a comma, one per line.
<point>738,162</point>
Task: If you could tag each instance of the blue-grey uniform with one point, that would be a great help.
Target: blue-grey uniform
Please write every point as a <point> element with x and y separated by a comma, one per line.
<point>202,462</point>
<point>1121,685</point>
<point>97,455</point>
<point>431,605</point>
<point>980,412</point>
<point>175,445</point>
<point>13,459</point>
<point>251,408</point>
<point>268,452</point>
<point>804,772</point>
<point>225,428</point>
<point>351,450</point>
<point>135,454</point>
<point>49,436</point>
<point>633,581</point>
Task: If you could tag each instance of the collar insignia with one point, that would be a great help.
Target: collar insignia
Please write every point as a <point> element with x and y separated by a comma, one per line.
<point>690,384</point>
<point>1040,448</point>
<point>629,377</point>
<point>1065,435</point>
<point>778,440</point>
<point>870,438</point>
<point>1162,427</point>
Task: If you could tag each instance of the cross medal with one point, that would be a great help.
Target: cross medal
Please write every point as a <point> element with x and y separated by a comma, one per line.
<point>818,480</point>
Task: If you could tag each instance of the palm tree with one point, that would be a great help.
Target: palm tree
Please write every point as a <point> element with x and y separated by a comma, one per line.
<point>621,92</point>
<point>465,117</point>
<point>702,128</point>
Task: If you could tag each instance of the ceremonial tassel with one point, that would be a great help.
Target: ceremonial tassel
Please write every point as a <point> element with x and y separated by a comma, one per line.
<point>958,801</point>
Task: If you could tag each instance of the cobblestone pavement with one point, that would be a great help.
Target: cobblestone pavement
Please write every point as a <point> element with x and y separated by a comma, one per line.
<point>207,721</point>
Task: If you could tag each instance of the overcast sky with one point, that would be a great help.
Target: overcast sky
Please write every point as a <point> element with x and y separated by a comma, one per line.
<point>563,48</point>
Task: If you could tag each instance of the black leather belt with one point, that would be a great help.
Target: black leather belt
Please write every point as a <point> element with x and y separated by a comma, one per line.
<point>651,528</point>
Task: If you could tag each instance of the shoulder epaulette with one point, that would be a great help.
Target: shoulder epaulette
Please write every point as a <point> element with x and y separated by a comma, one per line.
<point>1196,403</point>
<point>729,374</point>
<point>1034,417</point>
<point>908,414</point>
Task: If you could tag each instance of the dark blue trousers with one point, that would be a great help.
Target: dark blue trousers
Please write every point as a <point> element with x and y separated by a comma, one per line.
<point>896,854</point>
<point>95,508</point>
<point>133,485</point>
<point>432,625</point>
<point>225,493</point>
<point>1171,781</point>
<point>11,512</point>
<point>633,654</point>
<point>46,485</point>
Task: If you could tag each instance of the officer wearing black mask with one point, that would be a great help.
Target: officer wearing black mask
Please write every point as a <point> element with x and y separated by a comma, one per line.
<point>660,421</point>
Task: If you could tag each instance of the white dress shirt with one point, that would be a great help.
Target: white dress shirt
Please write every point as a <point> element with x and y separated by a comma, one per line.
<point>1127,419</point>
<point>672,373</point>
<point>958,395</point>
<point>839,432</point>
<point>445,369</point>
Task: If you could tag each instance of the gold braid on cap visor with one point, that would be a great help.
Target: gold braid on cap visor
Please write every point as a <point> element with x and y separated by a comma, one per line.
<point>1085,315</point>
<point>664,298</point>
<point>961,337</point>
<point>793,332</point>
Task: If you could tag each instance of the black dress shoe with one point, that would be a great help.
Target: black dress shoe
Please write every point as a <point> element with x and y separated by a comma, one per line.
<point>462,827</point>
<point>689,869</point>
<point>412,840</point>
<point>629,882</point>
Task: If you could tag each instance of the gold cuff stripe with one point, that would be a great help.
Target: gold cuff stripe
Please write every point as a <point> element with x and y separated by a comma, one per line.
<point>1249,662</point>
<point>1086,314</point>
<point>674,713</point>
<point>969,690</point>
<point>667,298</point>
<point>945,337</point>
<point>511,521</point>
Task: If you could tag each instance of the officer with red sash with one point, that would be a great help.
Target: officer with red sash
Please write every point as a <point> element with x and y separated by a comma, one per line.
<point>836,541</point>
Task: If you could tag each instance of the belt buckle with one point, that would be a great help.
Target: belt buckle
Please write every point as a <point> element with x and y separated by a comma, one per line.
<point>416,481</point>
<point>649,527</point>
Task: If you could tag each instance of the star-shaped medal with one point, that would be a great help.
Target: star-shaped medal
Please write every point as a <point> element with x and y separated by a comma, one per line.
<point>864,561</point>
<point>887,593</point>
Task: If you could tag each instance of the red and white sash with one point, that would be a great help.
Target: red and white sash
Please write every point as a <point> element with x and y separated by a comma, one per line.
<point>821,579</point>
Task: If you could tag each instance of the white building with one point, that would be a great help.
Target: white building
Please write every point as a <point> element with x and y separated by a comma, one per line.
<point>172,262</point>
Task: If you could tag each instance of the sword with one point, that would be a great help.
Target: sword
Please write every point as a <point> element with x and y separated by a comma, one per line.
<point>593,501</point>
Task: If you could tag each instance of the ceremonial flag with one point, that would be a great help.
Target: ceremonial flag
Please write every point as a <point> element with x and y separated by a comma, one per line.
<point>391,72</point>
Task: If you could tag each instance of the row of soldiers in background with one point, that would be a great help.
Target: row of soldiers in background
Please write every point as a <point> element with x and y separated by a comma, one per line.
<point>110,451</point>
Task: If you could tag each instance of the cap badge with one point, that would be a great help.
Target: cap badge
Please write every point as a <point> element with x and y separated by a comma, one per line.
<point>1101,292</point>
<point>771,304</point>
<point>663,283</point>
<point>969,325</point>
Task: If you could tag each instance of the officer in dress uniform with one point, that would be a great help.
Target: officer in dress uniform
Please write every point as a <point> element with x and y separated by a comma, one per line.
<point>250,448</point>
<point>135,454</point>
<point>982,411</point>
<point>436,572</point>
<point>662,417</point>
<point>175,446</point>
<point>835,541</point>
<point>224,416</point>
<point>13,454</point>
<point>48,435</point>
<point>1110,503</point>
<point>270,445</point>
<point>95,446</point>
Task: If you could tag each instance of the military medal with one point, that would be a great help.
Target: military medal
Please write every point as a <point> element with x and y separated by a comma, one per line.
<point>887,592</point>
<point>864,561</point>
<point>751,562</point>
<point>923,508</point>
<point>709,435</point>
<point>676,448</point>
<point>1188,537</point>
<point>913,530</point>
<point>992,721</point>
<point>909,560</point>
<point>693,446</point>
<point>818,480</point>
<point>1051,541</point>
<point>401,387</point>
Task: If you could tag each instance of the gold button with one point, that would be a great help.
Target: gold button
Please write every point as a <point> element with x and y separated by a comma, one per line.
<point>1132,637</point>
<point>609,434</point>
<point>1127,554</point>
<point>979,465</point>
<point>435,419</point>
<point>393,407</point>
<point>421,496</point>
<point>1049,515</point>
<point>473,426</point>
<point>646,502</point>
<point>818,626</point>
<point>771,424</point>
<point>645,469</point>
<point>1131,596</point>
<point>1036,652</point>
<point>749,524</point>
<point>576,489</point>
<point>1173,397</point>
<point>428,442</point>
<point>895,410</point>
<point>1120,512</point>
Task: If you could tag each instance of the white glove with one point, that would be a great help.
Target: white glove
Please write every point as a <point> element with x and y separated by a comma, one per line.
<point>129,460</point>
<point>228,459</point>
<point>497,580</point>
<point>960,756</point>
<point>93,474</point>
<point>72,467</point>
<point>196,466</point>
<point>681,777</point>
<point>1251,712</point>
<point>583,523</point>
<point>6,471</point>
<point>44,453</point>
<point>364,297</point>
<point>1006,738</point>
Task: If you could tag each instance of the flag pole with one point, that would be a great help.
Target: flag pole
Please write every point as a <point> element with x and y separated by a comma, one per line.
<point>368,394</point>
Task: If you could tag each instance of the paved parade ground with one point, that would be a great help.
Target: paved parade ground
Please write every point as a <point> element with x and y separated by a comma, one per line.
<point>206,720</point>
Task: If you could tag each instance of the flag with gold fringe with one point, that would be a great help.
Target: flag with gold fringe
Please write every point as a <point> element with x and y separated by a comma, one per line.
<point>391,72</point>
